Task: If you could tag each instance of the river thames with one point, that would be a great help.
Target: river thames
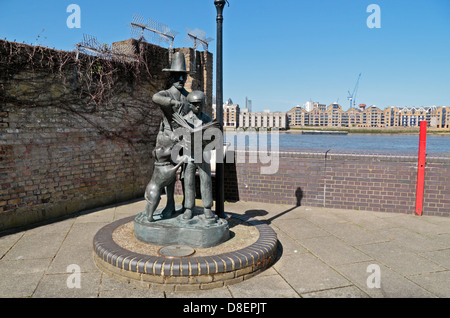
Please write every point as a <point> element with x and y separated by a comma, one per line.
<point>375,142</point>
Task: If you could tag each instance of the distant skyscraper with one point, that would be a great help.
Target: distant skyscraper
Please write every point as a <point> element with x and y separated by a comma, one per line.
<point>248,104</point>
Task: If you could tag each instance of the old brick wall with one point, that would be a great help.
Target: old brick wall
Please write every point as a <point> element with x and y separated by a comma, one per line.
<point>377,182</point>
<point>383,181</point>
<point>201,74</point>
<point>437,186</point>
<point>68,143</point>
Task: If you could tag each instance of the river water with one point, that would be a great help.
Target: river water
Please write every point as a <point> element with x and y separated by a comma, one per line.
<point>375,142</point>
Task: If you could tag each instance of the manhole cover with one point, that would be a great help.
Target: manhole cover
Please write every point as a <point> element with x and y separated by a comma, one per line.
<point>176,251</point>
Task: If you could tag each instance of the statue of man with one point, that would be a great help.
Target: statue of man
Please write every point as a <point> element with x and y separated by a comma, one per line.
<point>172,101</point>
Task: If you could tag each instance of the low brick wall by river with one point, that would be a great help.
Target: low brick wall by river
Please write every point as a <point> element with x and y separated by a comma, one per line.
<point>360,180</point>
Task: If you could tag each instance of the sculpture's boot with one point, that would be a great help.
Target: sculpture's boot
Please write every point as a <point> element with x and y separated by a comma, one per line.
<point>209,214</point>
<point>187,215</point>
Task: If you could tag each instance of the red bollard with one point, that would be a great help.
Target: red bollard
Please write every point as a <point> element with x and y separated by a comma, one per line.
<point>421,167</point>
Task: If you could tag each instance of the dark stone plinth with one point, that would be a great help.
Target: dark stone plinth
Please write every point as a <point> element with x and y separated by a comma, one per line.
<point>196,232</point>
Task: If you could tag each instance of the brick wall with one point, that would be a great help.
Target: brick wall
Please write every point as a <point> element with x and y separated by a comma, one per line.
<point>65,147</point>
<point>382,181</point>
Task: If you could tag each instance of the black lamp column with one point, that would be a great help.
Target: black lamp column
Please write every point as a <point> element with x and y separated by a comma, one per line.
<point>220,209</point>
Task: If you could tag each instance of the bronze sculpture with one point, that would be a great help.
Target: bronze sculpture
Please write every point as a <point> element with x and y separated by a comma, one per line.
<point>182,142</point>
<point>182,116</point>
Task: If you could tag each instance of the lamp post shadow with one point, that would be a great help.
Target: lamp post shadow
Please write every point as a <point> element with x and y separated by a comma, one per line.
<point>260,212</point>
<point>253,213</point>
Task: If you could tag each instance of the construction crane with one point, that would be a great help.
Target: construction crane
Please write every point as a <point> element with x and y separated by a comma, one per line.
<point>352,96</point>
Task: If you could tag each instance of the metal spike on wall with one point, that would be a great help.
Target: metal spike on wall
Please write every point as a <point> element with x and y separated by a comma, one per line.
<point>152,31</point>
<point>119,52</point>
<point>138,28</point>
<point>197,38</point>
<point>90,45</point>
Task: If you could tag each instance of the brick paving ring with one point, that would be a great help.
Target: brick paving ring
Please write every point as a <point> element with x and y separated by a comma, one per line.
<point>251,249</point>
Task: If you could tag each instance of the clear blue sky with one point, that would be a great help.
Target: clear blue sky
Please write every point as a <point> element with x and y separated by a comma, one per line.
<point>279,53</point>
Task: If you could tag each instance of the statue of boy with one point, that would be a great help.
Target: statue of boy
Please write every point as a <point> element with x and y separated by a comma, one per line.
<point>196,118</point>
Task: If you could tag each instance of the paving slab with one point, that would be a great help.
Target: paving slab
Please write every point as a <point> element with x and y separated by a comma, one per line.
<point>334,251</point>
<point>78,254</point>
<point>412,240</point>
<point>61,226</point>
<point>36,246</point>
<point>399,259</point>
<point>370,221</point>
<point>321,217</point>
<point>353,234</point>
<point>343,292</point>
<point>444,239</point>
<point>83,233</point>
<point>306,273</point>
<point>266,286</point>
<point>222,292</point>
<point>111,288</point>
<point>438,283</point>
<point>392,284</point>
<point>441,257</point>
<point>421,224</point>
<point>8,241</point>
<point>20,278</point>
<point>288,245</point>
<point>299,228</point>
<point>104,216</point>
<point>64,286</point>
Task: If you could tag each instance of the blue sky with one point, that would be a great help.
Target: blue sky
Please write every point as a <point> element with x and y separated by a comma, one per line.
<point>279,53</point>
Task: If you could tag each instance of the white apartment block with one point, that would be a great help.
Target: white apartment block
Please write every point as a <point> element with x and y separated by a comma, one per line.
<point>230,114</point>
<point>264,119</point>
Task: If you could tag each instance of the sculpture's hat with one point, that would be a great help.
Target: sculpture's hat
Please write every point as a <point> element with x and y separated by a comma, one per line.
<point>178,64</point>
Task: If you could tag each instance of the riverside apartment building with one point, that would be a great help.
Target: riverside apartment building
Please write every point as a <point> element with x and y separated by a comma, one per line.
<point>372,116</point>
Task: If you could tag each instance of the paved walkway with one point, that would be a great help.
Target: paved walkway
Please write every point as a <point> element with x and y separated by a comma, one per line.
<point>324,253</point>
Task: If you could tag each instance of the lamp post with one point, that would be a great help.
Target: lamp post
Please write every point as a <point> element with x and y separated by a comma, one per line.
<point>220,208</point>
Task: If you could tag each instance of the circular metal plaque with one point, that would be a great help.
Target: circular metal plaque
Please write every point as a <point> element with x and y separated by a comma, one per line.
<point>176,251</point>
